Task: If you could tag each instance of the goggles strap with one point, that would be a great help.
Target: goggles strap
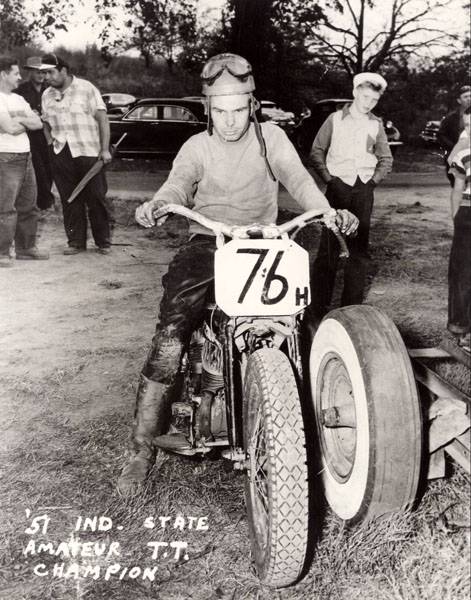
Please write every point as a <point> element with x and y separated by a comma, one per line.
<point>209,125</point>
<point>260,138</point>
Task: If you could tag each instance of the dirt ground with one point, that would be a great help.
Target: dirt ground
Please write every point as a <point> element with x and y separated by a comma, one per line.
<point>75,331</point>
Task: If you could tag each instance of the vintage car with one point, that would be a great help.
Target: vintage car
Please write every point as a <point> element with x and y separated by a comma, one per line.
<point>428,135</point>
<point>271,112</point>
<point>157,126</point>
<point>118,102</point>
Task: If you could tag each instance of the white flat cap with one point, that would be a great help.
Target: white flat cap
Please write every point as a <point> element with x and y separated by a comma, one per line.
<point>373,78</point>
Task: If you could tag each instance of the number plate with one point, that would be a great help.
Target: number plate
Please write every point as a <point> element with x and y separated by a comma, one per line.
<point>262,277</point>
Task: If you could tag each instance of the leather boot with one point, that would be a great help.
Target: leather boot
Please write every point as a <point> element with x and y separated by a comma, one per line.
<point>151,418</point>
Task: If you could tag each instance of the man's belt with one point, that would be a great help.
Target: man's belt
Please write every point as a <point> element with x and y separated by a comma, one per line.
<point>465,199</point>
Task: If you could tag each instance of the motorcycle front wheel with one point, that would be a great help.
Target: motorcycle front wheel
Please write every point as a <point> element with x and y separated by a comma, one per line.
<point>276,486</point>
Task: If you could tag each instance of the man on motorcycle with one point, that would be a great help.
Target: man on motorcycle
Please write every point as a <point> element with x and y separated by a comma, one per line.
<point>228,173</point>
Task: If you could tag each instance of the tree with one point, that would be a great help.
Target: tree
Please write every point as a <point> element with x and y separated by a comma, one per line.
<point>362,40</point>
<point>14,30</point>
<point>18,26</point>
<point>267,33</point>
<point>154,27</point>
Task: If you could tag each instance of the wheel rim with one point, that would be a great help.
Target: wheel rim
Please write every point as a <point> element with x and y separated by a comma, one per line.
<point>335,392</point>
<point>258,476</point>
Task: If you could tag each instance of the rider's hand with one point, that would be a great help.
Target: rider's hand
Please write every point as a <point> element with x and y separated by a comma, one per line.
<point>346,222</point>
<point>145,214</point>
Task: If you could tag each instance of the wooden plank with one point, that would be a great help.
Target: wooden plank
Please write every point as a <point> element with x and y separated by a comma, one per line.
<point>437,384</point>
<point>459,450</point>
<point>451,346</point>
<point>429,353</point>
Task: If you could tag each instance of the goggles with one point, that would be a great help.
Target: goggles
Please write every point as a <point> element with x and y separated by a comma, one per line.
<point>232,63</point>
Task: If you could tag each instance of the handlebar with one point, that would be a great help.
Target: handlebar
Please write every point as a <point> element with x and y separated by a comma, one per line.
<point>255,229</point>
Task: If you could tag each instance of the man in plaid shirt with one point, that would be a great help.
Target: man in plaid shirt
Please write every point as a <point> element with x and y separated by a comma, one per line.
<point>78,134</point>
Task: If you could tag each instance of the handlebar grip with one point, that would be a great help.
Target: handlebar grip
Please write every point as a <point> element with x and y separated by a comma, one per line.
<point>344,252</point>
<point>160,212</point>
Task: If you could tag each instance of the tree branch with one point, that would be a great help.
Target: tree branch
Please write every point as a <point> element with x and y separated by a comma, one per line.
<point>354,17</point>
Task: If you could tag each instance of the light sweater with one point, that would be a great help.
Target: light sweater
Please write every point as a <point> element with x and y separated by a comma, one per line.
<point>229,181</point>
<point>350,146</point>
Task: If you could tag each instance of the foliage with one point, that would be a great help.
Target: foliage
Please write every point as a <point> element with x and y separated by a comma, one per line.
<point>14,30</point>
<point>154,27</point>
<point>18,26</point>
<point>266,33</point>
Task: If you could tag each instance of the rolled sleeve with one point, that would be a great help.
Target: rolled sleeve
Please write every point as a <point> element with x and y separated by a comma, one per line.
<point>320,147</point>
<point>95,99</point>
<point>384,156</point>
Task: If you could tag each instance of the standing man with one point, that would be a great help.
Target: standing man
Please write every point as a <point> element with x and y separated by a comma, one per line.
<point>228,173</point>
<point>32,90</point>
<point>77,127</point>
<point>352,155</point>
<point>18,210</point>
<point>452,127</point>
<point>459,272</point>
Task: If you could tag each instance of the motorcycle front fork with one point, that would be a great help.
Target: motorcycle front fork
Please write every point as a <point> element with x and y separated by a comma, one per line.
<point>233,388</point>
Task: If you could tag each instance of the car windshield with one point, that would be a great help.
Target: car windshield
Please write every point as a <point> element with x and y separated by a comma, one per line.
<point>177,113</point>
<point>144,113</point>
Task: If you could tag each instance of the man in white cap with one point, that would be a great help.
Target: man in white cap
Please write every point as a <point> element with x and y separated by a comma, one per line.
<point>352,155</point>
<point>228,173</point>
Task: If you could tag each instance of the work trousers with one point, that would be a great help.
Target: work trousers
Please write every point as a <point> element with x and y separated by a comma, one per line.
<point>459,274</point>
<point>42,169</point>
<point>186,285</point>
<point>358,199</point>
<point>18,210</point>
<point>67,172</point>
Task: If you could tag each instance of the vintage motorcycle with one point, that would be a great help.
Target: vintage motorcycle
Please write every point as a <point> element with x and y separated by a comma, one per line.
<point>242,387</point>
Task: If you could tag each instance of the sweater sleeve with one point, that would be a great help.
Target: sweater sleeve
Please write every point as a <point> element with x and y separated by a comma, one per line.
<point>291,172</point>
<point>181,183</point>
<point>320,147</point>
<point>383,154</point>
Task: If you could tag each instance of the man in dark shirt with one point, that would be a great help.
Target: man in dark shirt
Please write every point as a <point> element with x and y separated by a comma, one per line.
<point>452,126</point>
<point>32,91</point>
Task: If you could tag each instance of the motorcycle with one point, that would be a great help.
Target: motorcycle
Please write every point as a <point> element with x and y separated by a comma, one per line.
<point>242,384</point>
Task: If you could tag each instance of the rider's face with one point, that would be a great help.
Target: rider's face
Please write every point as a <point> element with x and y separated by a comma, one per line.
<point>230,116</point>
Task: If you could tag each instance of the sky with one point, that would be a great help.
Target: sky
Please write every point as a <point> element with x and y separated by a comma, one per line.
<point>83,28</point>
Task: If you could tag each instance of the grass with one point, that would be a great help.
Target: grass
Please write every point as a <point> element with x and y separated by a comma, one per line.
<point>423,554</point>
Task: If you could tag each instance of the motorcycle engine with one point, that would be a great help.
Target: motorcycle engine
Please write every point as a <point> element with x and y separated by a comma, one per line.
<point>207,359</point>
<point>212,359</point>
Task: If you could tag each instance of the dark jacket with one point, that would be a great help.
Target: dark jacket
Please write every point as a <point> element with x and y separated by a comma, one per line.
<point>450,130</point>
